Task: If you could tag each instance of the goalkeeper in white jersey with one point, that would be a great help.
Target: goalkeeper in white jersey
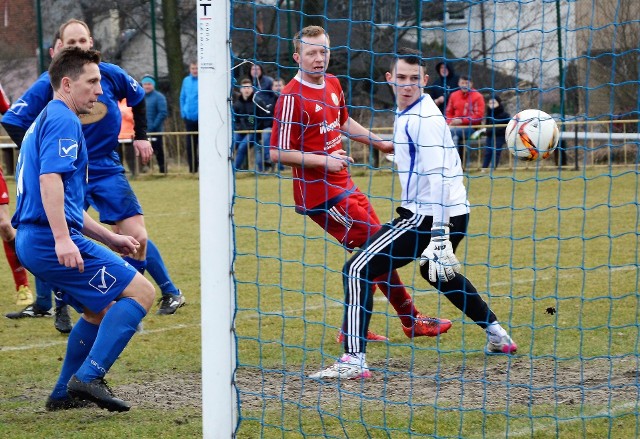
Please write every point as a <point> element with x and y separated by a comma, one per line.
<point>432,221</point>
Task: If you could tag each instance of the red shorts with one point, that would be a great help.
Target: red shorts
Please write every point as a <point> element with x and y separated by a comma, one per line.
<point>4,192</point>
<point>352,221</point>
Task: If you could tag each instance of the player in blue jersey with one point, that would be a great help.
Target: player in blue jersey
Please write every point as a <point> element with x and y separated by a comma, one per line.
<point>51,237</point>
<point>109,191</point>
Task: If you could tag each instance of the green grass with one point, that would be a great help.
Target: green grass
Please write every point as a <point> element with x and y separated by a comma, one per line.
<point>537,240</point>
<point>160,364</point>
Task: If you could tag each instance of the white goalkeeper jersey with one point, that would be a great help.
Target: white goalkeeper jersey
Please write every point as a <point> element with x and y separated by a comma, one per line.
<point>425,154</point>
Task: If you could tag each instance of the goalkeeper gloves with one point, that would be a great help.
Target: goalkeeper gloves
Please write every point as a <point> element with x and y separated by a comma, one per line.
<point>438,258</point>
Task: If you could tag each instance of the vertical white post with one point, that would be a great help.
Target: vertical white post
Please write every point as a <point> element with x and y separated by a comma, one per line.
<point>217,298</point>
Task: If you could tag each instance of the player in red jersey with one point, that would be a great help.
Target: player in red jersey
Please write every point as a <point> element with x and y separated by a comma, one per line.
<point>309,120</point>
<point>7,232</point>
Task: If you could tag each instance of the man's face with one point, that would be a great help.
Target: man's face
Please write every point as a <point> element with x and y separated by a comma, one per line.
<point>464,84</point>
<point>277,86</point>
<point>314,54</point>
<point>148,87</point>
<point>444,71</point>
<point>85,90</point>
<point>246,90</point>
<point>76,35</point>
<point>193,69</point>
<point>407,81</point>
<point>255,71</point>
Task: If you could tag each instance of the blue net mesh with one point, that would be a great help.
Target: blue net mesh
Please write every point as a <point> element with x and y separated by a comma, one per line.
<point>552,245</point>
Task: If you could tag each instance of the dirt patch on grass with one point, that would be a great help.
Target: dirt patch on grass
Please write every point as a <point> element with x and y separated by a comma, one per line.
<point>477,383</point>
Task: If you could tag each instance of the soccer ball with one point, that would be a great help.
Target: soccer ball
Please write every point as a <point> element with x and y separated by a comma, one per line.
<point>532,135</point>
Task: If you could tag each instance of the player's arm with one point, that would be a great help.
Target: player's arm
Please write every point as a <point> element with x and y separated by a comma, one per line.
<point>357,132</point>
<point>52,194</point>
<point>123,244</point>
<point>287,129</point>
<point>140,142</point>
<point>5,103</point>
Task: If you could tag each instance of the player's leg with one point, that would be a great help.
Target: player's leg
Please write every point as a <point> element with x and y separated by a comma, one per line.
<point>365,224</point>
<point>7,233</point>
<point>114,333</point>
<point>113,197</point>
<point>463,295</point>
<point>172,297</point>
<point>337,222</point>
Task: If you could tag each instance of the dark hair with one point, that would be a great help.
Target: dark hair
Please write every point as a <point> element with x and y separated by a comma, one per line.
<point>464,77</point>
<point>246,81</point>
<point>410,56</point>
<point>70,62</point>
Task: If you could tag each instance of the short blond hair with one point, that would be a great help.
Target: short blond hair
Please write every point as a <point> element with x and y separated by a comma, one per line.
<point>309,31</point>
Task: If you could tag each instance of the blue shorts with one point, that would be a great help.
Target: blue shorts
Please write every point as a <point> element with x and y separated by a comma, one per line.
<point>105,276</point>
<point>113,197</point>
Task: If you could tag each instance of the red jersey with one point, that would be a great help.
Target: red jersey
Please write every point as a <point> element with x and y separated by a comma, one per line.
<point>307,118</point>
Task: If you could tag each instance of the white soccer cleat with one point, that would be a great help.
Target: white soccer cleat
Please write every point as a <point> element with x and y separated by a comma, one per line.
<point>346,368</point>
<point>504,346</point>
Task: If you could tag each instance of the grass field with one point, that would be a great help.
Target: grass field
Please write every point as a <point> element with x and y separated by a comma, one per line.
<point>159,372</point>
<point>538,242</point>
<point>557,252</point>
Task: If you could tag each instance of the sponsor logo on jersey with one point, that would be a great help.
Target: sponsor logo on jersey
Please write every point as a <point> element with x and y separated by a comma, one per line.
<point>98,112</point>
<point>102,281</point>
<point>4,196</point>
<point>318,108</point>
<point>325,127</point>
<point>17,106</point>
<point>335,99</point>
<point>68,148</point>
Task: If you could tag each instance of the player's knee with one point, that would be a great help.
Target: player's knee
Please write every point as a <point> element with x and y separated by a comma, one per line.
<point>147,293</point>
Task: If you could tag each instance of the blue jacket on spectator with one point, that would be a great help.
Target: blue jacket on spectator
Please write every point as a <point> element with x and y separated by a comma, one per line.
<point>189,98</point>
<point>156,105</point>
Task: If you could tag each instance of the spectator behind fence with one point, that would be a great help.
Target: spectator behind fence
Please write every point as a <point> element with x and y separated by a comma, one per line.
<point>446,84</point>
<point>496,115</point>
<point>189,113</point>
<point>265,101</point>
<point>464,109</point>
<point>259,79</point>
<point>156,114</point>
<point>126,135</point>
<point>245,121</point>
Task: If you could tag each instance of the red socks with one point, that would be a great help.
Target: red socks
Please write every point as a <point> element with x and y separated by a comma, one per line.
<point>19,273</point>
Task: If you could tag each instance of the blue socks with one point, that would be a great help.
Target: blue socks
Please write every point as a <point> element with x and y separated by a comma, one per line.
<point>117,327</point>
<point>140,266</point>
<point>81,340</point>
<point>158,271</point>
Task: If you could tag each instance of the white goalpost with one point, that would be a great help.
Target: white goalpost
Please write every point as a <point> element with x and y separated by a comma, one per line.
<point>217,298</point>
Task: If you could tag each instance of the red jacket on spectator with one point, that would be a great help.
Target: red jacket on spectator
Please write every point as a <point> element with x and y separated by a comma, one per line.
<point>467,106</point>
<point>5,104</point>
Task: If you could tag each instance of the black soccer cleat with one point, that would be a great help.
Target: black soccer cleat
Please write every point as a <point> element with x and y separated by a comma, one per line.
<point>169,303</point>
<point>68,403</point>
<point>63,320</point>
<point>96,391</point>
<point>32,310</point>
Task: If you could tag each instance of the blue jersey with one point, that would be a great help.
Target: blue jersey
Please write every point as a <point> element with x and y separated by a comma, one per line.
<point>25,110</point>
<point>54,143</point>
<point>101,127</point>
